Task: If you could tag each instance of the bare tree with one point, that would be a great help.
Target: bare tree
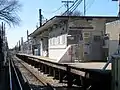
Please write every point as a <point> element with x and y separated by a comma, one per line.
<point>9,10</point>
<point>76,13</point>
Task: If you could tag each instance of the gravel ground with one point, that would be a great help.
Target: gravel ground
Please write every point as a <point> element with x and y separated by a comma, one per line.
<point>31,79</point>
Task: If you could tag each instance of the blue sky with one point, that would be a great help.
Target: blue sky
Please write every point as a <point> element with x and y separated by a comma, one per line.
<point>29,14</point>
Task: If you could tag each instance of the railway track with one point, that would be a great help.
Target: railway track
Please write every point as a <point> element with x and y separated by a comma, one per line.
<point>35,80</point>
<point>14,80</point>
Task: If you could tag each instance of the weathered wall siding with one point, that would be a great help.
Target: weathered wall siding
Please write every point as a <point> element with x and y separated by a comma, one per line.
<point>94,47</point>
<point>113,29</point>
<point>97,24</point>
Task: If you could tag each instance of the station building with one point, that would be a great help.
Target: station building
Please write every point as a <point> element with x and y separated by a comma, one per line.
<point>72,38</point>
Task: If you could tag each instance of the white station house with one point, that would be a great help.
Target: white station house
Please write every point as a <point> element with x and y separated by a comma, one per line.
<point>72,38</point>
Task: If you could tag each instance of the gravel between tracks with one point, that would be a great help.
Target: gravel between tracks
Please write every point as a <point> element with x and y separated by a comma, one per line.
<point>31,79</point>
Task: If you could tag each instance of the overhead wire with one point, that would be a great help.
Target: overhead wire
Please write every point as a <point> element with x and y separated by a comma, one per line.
<point>58,9</point>
<point>70,7</point>
<point>89,6</point>
<point>55,10</point>
<point>74,8</point>
<point>76,4</point>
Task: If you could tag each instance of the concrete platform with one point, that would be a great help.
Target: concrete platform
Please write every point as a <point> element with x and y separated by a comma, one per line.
<point>90,65</point>
<point>85,65</point>
<point>42,57</point>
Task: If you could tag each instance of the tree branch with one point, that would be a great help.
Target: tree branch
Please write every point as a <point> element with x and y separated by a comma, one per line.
<point>8,12</point>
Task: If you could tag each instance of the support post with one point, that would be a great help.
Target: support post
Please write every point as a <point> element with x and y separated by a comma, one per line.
<point>60,76</point>
<point>1,47</point>
<point>46,69</point>
<point>49,70</point>
<point>84,7</point>
<point>54,73</point>
<point>69,77</point>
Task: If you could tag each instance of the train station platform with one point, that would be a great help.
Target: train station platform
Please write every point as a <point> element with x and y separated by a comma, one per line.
<point>84,74</point>
<point>90,65</point>
<point>84,65</point>
<point>41,57</point>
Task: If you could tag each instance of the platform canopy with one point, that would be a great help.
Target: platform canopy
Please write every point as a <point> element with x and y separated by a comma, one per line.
<point>57,19</point>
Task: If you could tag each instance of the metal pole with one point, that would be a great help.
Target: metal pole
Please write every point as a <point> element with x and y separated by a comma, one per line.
<point>1,47</point>
<point>119,9</point>
<point>67,4</point>
<point>84,7</point>
<point>40,17</point>
<point>67,8</point>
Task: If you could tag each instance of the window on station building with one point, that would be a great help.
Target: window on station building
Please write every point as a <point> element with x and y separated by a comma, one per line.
<point>97,38</point>
<point>63,39</point>
<point>86,37</point>
<point>50,41</point>
<point>53,41</point>
<point>58,39</point>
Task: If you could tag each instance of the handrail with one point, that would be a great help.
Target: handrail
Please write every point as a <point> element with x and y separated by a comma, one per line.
<point>111,59</point>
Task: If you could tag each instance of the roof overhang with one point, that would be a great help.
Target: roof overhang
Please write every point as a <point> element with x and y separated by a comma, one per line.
<point>57,19</point>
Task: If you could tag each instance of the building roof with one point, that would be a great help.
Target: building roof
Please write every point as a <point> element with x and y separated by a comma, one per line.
<point>57,19</point>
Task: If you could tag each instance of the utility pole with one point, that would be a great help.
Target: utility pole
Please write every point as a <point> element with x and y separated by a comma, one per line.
<point>67,5</point>
<point>1,46</point>
<point>27,35</point>
<point>84,7</point>
<point>40,17</point>
<point>19,45</point>
<point>28,47</point>
<point>118,7</point>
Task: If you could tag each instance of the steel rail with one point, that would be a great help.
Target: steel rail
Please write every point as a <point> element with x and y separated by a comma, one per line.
<point>10,76</point>
<point>12,67</point>
<point>47,84</point>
